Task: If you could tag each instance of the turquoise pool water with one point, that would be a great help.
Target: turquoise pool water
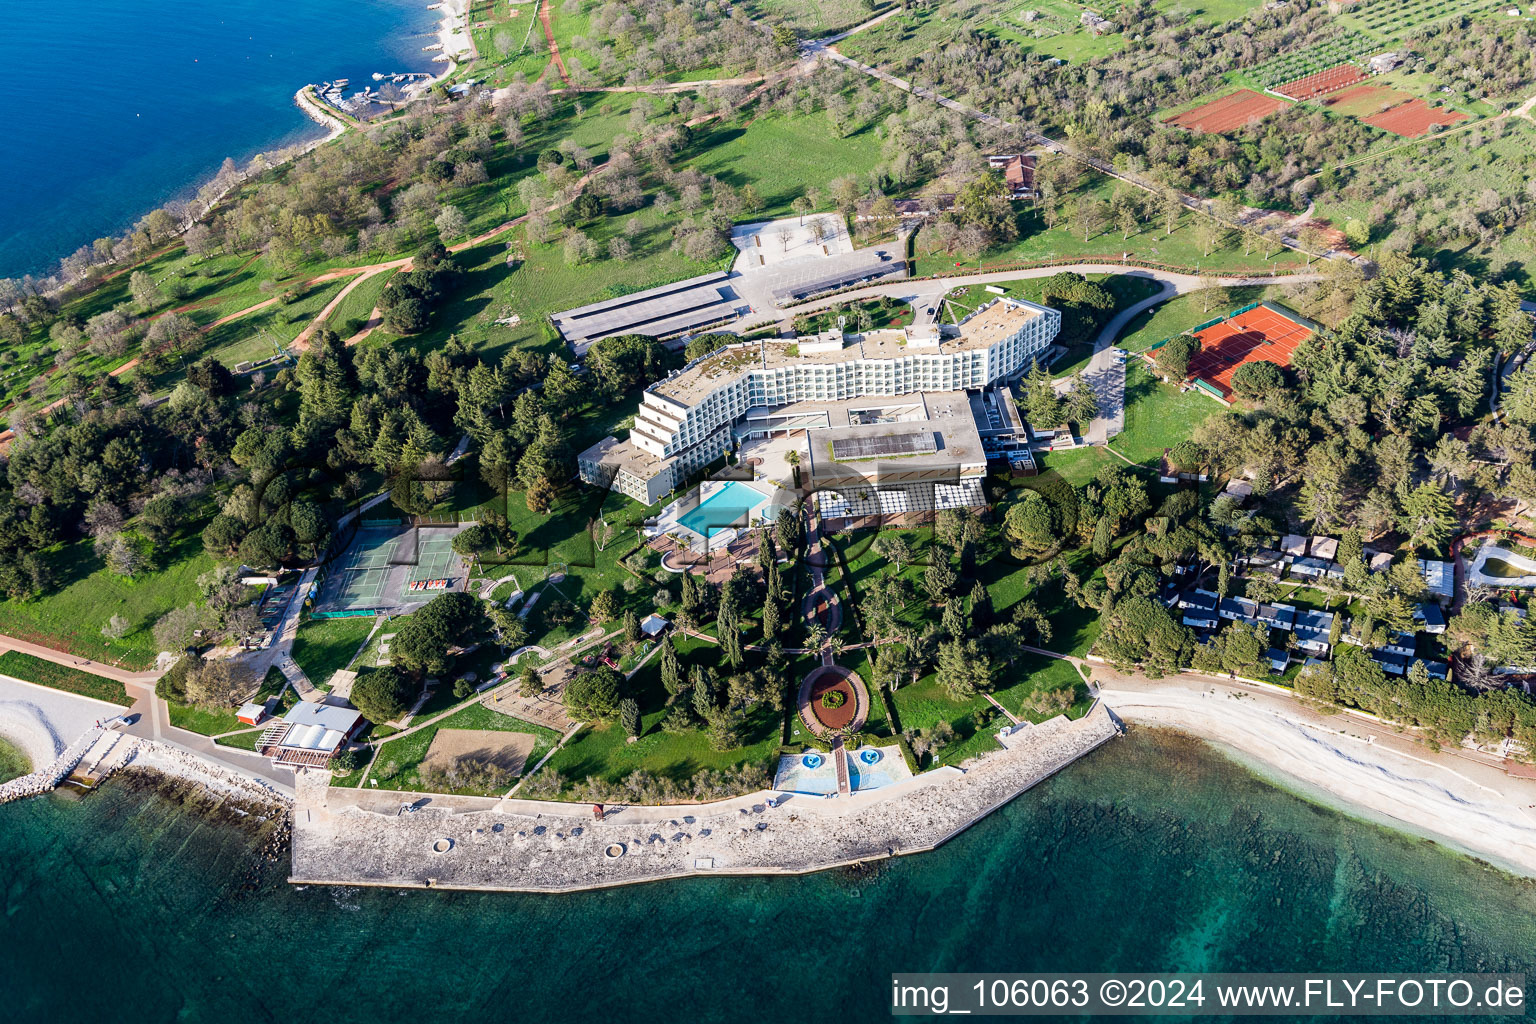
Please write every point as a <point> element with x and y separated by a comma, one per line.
<point>729,506</point>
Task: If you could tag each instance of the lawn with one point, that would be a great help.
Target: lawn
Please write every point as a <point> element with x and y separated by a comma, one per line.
<point>782,156</point>
<point>397,761</point>
<point>61,677</point>
<point>1038,243</point>
<point>813,18</point>
<point>602,750</point>
<point>71,617</point>
<point>266,331</point>
<point>1157,415</point>
<point>213,721</point>
<point>351,314</point>
<point>322,647</point>
<point>1182,312</point>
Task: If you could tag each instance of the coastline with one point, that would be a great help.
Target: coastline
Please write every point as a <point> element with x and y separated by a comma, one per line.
<point>280,148</point>
<point>1359,768</point>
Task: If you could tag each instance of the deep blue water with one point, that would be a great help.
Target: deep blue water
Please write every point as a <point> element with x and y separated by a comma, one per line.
<point>1154,853</point>
<point>115,106</point>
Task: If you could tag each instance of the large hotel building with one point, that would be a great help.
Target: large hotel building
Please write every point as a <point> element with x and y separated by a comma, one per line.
<point>827,382</point>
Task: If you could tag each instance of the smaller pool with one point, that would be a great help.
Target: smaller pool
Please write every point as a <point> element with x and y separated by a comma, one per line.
<point>870,756</point>
<point>811,761</point>
<point>729,506</point>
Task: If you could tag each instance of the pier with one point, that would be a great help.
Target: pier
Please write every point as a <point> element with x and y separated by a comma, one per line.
<point>47,778</point>
<point>417,840</point>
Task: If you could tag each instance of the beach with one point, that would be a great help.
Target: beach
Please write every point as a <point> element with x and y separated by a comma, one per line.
<point>1359,766</point>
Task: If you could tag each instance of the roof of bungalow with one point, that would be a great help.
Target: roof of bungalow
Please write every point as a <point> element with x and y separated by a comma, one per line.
<point>1278,659</point>
<point>1277,613</point>
<point>1430,614</point>
<point>1437,577</point>
<point>1239,608</point>
<point>1293,544</point>
<point>1200,601</point>
<point>1325,547</point>
<point>1392,662</point>
<point>1308,619</point>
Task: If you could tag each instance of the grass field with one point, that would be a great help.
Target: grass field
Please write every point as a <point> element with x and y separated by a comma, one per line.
<point>398,761</point>
<point>212,721</point>
<point>1038,243</point>
<point>61,677</point>
<point>71,617</point>
<point>13,763</point>
<point>1157,415</point>
<point>322,647</point>
<point>602,750</point>
<point>352,312</point>
<point>1182,312</point>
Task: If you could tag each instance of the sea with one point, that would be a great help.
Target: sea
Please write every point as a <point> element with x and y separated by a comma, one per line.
<point>1155,853</point>
<point>116,106</point>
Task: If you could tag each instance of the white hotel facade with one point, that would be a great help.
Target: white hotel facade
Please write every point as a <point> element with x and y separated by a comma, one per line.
<point>685,422</point>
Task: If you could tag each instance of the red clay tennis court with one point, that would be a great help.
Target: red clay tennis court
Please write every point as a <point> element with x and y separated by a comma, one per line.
<point>1322,83</point>
<point>1262,334</point>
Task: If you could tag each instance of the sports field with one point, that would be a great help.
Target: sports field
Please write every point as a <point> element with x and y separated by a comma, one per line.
<point>1235,110</point>
<point>1414,118</point>
<point>1260,334</point>
<point>1323,82</point>
<point>390,566</point>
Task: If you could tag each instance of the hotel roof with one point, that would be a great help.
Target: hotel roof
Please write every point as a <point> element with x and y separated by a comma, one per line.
<point>982,329</point>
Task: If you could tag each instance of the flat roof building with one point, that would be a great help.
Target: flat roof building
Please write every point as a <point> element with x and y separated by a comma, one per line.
<point>686,421</point>
<point>309,735</point>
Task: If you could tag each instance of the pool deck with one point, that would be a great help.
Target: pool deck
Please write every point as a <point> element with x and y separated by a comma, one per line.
<point>355,837</point>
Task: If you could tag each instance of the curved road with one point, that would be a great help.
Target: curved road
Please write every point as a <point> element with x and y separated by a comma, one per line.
<point>1105,371</point>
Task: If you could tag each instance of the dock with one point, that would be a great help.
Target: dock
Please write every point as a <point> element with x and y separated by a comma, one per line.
<point>416,840</point>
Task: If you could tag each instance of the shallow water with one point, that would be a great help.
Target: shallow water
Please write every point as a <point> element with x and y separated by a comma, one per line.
<point>1155,853</point>
<point>118,105</point>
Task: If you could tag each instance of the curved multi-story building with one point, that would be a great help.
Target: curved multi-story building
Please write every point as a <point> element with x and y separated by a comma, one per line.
<point>685,422</point>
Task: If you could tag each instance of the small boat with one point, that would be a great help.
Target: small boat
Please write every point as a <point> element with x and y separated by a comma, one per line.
<point>342,83</point>
<point>378,76</point>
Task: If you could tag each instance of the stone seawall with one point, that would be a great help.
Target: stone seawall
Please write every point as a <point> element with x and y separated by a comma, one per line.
<point>47,778</point>
<point>354,837</point>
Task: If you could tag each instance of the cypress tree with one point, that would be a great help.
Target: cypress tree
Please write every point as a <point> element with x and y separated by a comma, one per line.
<point>671,678</point>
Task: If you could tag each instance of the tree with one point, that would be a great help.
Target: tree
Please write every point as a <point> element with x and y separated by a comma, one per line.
<point>423,640</point>
<point>382,694</point>
<point>1042,406</point>
<point>629,716</point>
<point>962,669</point>
<point>1173,358</point>
<point>1428,517</point>
<point>451,223</point>
<point>632,631</point>
<point>938,580</point>
<point>671,674</point>
<point>217,683</point>
<point>1258,380</point>
<point>893,548</point>
<point>605,606</point>
<point>529,683</point>
<point>1082,405</point>
<point>1089,216</point>
<point>116,628</point>
<point>173,631</point>
<point>1030,523</point>
<point>594,695</point>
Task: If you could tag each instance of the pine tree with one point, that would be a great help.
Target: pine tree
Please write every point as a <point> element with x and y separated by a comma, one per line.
<point>632,631</point>
<point>671,675</point>
<point>772,618</point>
<point>629,716</point>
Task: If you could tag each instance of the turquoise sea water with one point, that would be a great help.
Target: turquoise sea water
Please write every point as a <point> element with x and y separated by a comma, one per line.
<point>1155,853</point>
<point>118,105</point>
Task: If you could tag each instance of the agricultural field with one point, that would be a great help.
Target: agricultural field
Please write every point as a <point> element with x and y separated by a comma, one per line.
<point>1320,83</point>
<point>1415,118</point>
<point>813,18</point>
<point>1347,46</point>
<point>1397,19</point>
<point>1362,101</point>
<point>1228,113</point>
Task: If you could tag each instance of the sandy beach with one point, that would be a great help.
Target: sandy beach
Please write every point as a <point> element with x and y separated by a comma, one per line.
<point>1362,768</point>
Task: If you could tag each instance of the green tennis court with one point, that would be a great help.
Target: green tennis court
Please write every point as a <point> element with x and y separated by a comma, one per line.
<point>436,564</point>
<point>372,549</point>
<point>361,588</point>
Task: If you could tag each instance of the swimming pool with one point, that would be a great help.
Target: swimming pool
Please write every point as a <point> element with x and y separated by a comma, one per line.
<point>726,507</point>
<point>875,767</point>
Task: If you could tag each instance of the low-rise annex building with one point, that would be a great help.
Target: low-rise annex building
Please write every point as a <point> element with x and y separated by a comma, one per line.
<point>687,421</point>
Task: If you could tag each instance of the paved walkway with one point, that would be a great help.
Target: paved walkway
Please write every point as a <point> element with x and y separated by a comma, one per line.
<point>95,668</point>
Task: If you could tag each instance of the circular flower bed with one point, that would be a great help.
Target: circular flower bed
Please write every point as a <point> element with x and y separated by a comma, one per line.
<point>834,699</point>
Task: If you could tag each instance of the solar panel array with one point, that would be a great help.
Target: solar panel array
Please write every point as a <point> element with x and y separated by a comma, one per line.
<point>876,445</point>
